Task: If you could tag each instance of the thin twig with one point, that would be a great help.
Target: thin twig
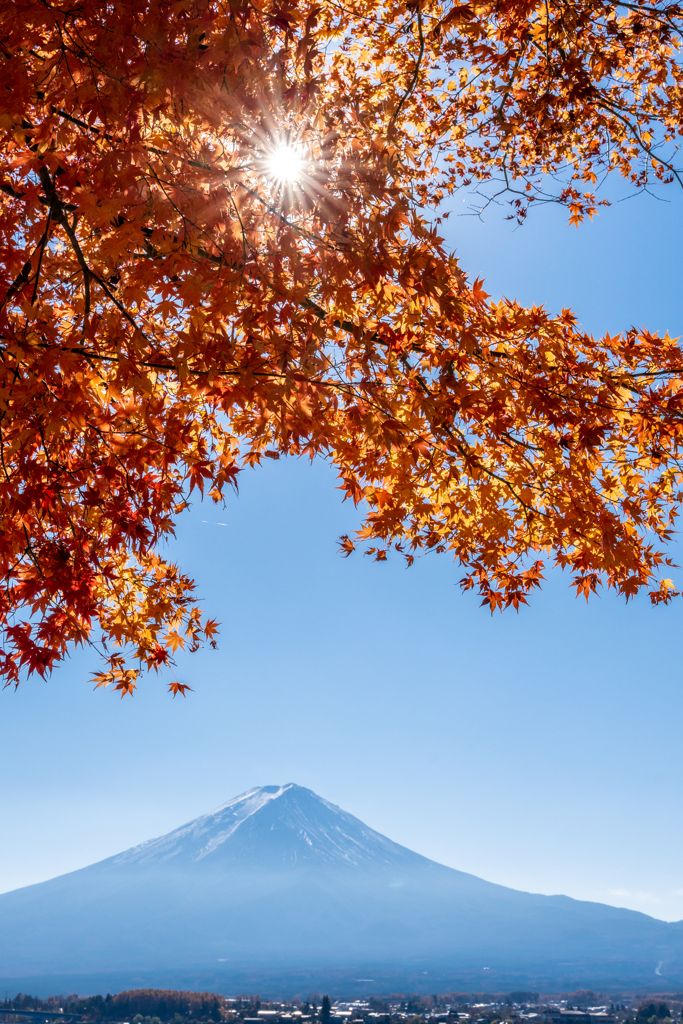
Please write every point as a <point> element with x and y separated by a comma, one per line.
<point>413,81</point>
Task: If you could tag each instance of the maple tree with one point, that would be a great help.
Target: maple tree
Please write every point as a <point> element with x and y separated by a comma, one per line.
<point>219,225</point>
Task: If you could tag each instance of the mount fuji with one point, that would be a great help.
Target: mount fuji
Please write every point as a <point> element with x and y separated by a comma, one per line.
<point>279,889</point>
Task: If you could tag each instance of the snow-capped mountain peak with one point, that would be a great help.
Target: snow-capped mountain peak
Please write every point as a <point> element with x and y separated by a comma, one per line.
<point>275,827</point>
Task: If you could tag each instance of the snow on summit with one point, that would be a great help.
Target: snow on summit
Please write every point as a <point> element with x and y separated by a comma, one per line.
<point>205,833</point>
<point>274,826</point>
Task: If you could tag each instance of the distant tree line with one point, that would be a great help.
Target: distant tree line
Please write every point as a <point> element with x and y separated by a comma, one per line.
<point>653,1013</point>
<point>145,1003</point>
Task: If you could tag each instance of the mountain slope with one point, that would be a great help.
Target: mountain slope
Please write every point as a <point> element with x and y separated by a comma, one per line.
<point>280,877</point>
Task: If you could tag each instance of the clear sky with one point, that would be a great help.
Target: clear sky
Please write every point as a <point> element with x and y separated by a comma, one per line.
<point>542,750</point>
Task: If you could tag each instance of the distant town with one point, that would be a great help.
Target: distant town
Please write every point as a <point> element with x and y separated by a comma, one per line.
<point>154,1006</point>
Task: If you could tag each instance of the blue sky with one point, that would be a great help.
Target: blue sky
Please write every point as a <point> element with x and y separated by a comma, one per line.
<point>542,750</point>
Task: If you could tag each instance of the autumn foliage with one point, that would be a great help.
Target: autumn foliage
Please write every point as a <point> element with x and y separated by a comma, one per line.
<point>172,309</point>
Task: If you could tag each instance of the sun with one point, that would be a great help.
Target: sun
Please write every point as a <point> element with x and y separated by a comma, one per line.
<point>285,164</point>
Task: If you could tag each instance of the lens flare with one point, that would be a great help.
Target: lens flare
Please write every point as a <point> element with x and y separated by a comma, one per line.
<point>285,165</point>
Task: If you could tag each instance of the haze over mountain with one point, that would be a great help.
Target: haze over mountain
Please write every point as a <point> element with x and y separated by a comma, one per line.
<point>281,889</point>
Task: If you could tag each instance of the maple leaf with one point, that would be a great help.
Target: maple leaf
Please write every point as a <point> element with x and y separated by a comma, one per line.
<point>346,545</point>
<point>178,688</point>
<point>478,293</point>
